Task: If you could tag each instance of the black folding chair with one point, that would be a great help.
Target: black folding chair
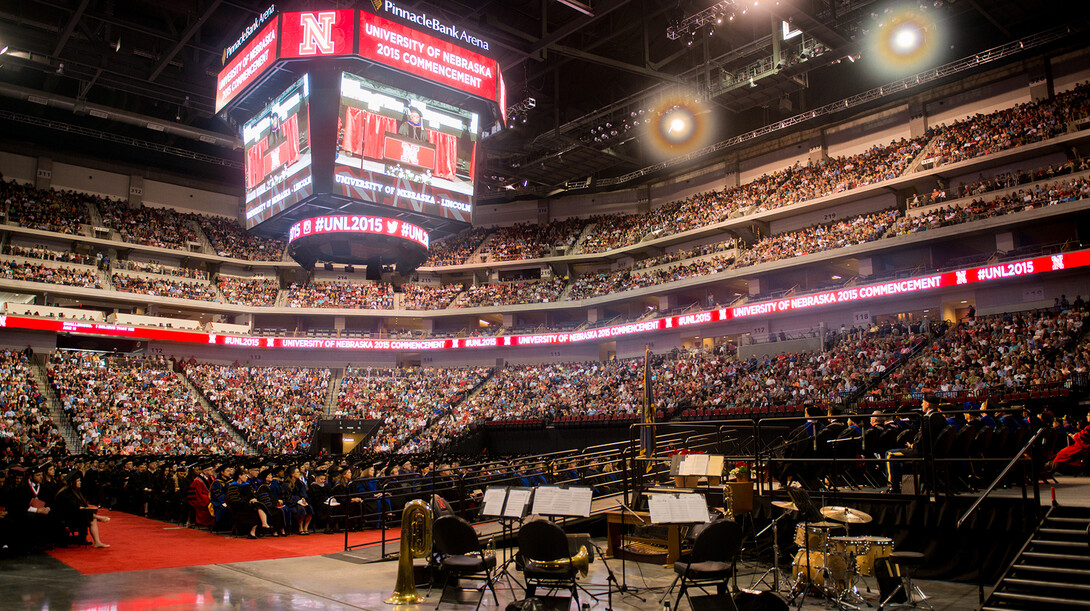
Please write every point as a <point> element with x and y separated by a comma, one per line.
<point>461,555</point>
<point>541,543</point>
<point>712,561</point>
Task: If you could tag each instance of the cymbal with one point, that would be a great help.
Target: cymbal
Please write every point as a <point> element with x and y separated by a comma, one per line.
<point>846,514</point>
<point>825,525</point>
<point>785,505</point>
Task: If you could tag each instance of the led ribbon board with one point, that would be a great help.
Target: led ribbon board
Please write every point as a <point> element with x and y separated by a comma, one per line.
<point>989,273</point>
<point>355,224</point>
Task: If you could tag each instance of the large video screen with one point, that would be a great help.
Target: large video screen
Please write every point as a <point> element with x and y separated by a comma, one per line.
<point>277,145</point>
<point>404,150</point>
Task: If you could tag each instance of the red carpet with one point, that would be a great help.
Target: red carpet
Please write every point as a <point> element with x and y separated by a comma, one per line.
<point>138,544</point>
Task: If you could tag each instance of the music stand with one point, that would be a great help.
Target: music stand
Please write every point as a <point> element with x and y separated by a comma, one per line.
<point>680,509</point>
<point>564,502</point>
<point>509,505</point>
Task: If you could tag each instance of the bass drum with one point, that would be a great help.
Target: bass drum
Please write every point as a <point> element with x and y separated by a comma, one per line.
<point>827,571</point>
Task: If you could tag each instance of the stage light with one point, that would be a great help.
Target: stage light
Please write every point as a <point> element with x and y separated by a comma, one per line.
<point>906,38</point>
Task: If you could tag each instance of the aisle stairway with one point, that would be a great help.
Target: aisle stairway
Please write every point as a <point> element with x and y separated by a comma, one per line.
<point>1053,569</point>
<point>212,411</point>
<point>56,411</point>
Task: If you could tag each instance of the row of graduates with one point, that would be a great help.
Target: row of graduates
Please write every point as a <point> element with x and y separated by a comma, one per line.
<point>39,509</point>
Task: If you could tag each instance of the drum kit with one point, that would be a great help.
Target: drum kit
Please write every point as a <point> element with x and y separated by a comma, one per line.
<point>831,561</point>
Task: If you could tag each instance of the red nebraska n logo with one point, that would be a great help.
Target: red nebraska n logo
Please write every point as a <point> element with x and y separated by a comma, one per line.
<point>317,33</point>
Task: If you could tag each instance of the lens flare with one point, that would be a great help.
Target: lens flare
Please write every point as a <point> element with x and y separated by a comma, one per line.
<point>905,40</point>
<point>678,125</point>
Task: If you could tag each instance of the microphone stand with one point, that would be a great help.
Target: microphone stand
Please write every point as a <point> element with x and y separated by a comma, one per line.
<point>623,587</point>
<point>775,571</point>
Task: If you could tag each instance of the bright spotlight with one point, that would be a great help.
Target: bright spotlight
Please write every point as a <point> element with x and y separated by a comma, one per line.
<point>906,38</point>
<point>907,41</point>
<point>676,126</point>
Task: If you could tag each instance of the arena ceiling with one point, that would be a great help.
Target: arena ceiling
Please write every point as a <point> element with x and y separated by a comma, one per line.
<point>589,65</point>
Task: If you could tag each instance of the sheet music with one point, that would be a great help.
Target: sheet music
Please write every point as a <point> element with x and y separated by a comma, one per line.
<point>554,501</point>
<point>517,500</point>
<point>715,465</point>
<point>695,464</point>
<point>677,509</point>
<point>581,497</point>
<point>493,502</point>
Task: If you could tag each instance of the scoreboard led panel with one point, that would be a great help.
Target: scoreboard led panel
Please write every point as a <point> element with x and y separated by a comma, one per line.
<point>403,150</point>
<point>278,155</point>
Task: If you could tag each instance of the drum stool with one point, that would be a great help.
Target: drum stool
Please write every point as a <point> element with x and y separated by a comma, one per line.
<point>905,564</point>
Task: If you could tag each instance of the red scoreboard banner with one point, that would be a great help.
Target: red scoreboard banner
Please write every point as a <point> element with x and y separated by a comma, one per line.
<point>244,68</point>
<point>317,34</point>
<point>428,57</point>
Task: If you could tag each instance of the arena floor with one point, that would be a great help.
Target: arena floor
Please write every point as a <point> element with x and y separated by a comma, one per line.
<point>337,581</point>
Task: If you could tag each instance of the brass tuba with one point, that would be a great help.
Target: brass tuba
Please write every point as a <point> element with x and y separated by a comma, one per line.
<point>580,561</point>
<point>415,543</point>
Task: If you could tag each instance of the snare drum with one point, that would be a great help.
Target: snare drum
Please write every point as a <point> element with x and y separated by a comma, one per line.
<point>850,545</point>
<point>817,536</point>
<point>877,547</point>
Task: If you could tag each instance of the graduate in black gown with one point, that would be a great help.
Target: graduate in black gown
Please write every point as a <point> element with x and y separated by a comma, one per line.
<point>246,510</point>
<point>76,513</point>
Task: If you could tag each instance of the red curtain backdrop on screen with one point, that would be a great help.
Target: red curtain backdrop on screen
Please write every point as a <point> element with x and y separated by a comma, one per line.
<point>353,130</point>
<point>446,153</point>
<point>255,163</point>
<point>374,138</point>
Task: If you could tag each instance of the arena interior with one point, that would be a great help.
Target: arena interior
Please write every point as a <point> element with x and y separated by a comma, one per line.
<point>604,304</point>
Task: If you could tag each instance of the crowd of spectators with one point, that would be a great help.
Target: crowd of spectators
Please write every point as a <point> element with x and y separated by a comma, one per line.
<point>68,276</point>
<point>1003,180</point>
<point>162,270</point>
<point>133,405</point>
<point>428,297</point>
<point>1037,196</point>
<point>531,241</point>
<point>165,287</point>
<point>683,254</point>
<point>1023,124</point>
<point>26,428</point>
<point>414,405</point>
<point>605,283</point>
<point>275,408</point>
<point>509,293</point>
<point>249,291</point>
<point>230,240</point>
<point>818,238</point>
<point>52,210</point>
<point>550,390</point>
<point>161,227</point>
<point>332,294</point>
<point>62,256</point>
<point>1011,350</point>
<point>457,248</point>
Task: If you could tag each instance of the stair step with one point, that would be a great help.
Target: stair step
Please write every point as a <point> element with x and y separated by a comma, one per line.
<point>1046,543</point>
<point>1033,583</point>
<point>1048,600</point>
<point>1052,569</point>
<point>1064,557</point>
<point>1067,532</point>
<point>1082,523</point>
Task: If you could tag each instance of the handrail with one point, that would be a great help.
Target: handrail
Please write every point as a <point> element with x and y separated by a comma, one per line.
<point>1002,474</point>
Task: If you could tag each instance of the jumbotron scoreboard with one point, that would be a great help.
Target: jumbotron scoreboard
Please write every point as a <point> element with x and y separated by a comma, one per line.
<point>360,129</point>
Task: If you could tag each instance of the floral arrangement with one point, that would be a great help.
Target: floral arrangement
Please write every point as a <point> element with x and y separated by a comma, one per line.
<point>740,470</point>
